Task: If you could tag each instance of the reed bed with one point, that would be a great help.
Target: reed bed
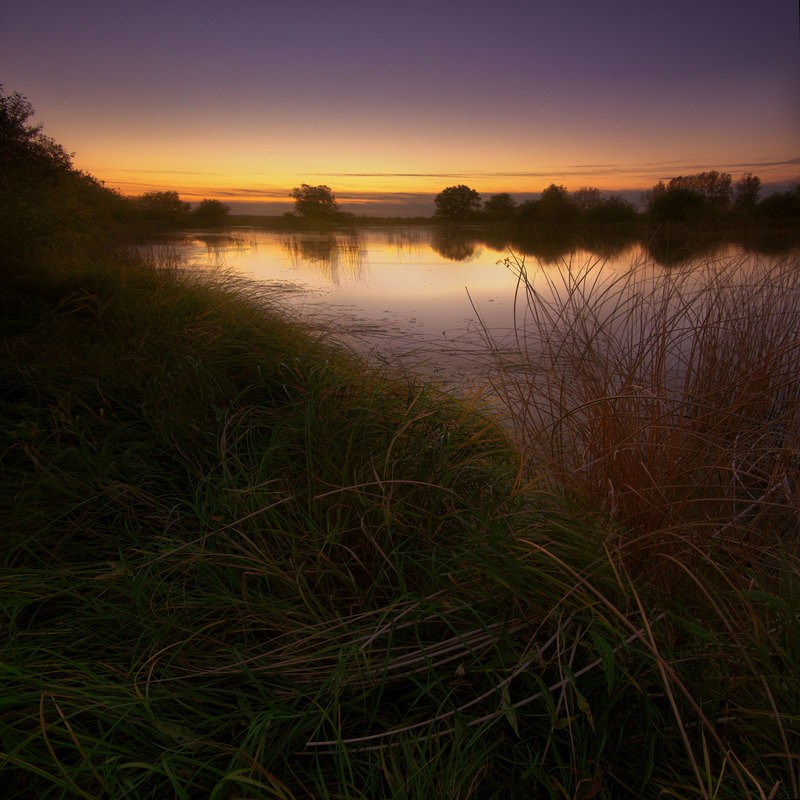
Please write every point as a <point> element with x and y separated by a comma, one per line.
<point>669,399</point>
<point>237,563</point>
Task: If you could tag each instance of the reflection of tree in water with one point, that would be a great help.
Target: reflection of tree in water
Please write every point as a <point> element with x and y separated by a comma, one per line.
<point>218,245</point>
<point>454,244</point>
<point>334,253</point>
<point>550,247</point>
<point>458,244</point>
<point>673,245</point>
<point>408,240</point>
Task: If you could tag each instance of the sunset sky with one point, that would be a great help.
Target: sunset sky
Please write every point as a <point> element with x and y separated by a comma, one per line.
<point>389,103</point>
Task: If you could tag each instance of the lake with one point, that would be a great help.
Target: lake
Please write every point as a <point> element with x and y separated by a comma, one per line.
<point>421,298</point>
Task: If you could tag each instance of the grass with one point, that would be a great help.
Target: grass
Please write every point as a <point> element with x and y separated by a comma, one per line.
<point>670,399</point>
<point>238,564</point>
<point>671,402</point>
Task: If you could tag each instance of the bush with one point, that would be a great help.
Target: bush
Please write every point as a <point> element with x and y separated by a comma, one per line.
<point>457,203</point>
<point>677,205</point>
<point>210,214</point>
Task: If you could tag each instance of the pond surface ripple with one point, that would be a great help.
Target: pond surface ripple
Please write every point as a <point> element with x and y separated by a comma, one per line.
<point>414,298</point>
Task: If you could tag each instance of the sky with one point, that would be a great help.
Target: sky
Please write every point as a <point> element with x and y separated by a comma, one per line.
<point>389,103</point>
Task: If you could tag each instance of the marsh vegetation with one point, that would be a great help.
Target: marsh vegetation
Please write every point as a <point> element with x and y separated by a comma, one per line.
<point>238,562</point>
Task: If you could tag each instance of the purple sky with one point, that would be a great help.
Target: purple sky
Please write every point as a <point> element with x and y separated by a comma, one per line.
<point>388,104</point>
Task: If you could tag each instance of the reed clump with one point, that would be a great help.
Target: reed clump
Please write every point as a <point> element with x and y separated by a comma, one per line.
<point>667,399</point>
<point>237,563</point>
<point>669,402</point>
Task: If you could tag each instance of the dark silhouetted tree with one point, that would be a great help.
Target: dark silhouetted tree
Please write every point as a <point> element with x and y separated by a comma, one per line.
<point>48,209</point>
<point>555,207</point>
<point>456,203</point>
<point>500,206</point>
<point>164,208</point>
<point>676,204</point>
<point>586,198</point>
<point>781,208</point>
<point>704,196</point>
<point>555,194</point>
<point>613,210</point>
<point>314,201</point>
<point>26,154</point>
<point>211,213</point>
<point>713,186</point>
<point>526,211</point>
<point>746,191</point>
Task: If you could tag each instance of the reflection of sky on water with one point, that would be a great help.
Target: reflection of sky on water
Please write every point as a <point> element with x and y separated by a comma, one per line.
<point>409,294</point>
<point>400,272</point>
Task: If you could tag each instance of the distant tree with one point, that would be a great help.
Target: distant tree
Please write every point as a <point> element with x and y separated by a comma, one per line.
<point>314,201</point>
<point>586,198</point>
<point>555,194</point>
<point>613,210</point>
<point>164,207</point>
<point>746,191</point>
<point>456,203</point>
<point>712,186</point>
<point>781,207</point>
<point>675,204</point>
<point>703,196</point>
<point>526,211</point>
<point>556,207</point>
<point>211,213</point>
<point>500,206</point>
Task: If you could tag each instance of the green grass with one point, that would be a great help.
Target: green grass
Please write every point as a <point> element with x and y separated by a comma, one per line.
<point>238,564</point>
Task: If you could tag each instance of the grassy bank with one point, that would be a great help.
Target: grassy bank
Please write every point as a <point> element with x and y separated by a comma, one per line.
<point>236,564</point>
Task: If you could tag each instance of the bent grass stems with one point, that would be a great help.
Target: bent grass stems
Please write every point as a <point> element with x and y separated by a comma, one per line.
<point>240,562</point>
<point>641,393</point>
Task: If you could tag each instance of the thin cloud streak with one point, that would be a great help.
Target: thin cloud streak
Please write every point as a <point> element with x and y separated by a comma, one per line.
<point>573,169</point>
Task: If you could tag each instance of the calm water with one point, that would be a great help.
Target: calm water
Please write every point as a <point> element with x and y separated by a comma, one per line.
<point>412,297</point>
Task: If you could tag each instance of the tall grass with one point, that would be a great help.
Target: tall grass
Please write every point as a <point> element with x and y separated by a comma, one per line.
<point>668,399</point>
<point>236,563</point>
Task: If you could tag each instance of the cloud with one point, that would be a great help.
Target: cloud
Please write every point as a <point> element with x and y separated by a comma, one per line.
<point>376,196</point>
<point>126,170</point>
<point>576,169</point>
<point>255,193</point>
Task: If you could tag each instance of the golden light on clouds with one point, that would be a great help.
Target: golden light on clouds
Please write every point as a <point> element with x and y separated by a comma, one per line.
<point>244,101</point>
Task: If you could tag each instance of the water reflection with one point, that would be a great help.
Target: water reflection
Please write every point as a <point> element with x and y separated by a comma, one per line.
<point>403,239</point>
<point>335,254</point>
<point>454,244</point>
<point>425,294</point>
<point>463,244</point>
<point>672,246</point>
<point>219,246</point>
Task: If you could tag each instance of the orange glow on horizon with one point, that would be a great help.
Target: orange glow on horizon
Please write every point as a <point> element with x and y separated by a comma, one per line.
<point>395,107</point>
<point>371,190</point>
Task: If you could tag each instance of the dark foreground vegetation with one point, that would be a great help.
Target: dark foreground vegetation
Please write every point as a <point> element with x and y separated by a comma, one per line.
<point>237,564</point>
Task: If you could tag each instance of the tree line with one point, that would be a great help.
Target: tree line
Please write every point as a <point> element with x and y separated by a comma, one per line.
<point>46,203</point>
<point>703,197</point>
